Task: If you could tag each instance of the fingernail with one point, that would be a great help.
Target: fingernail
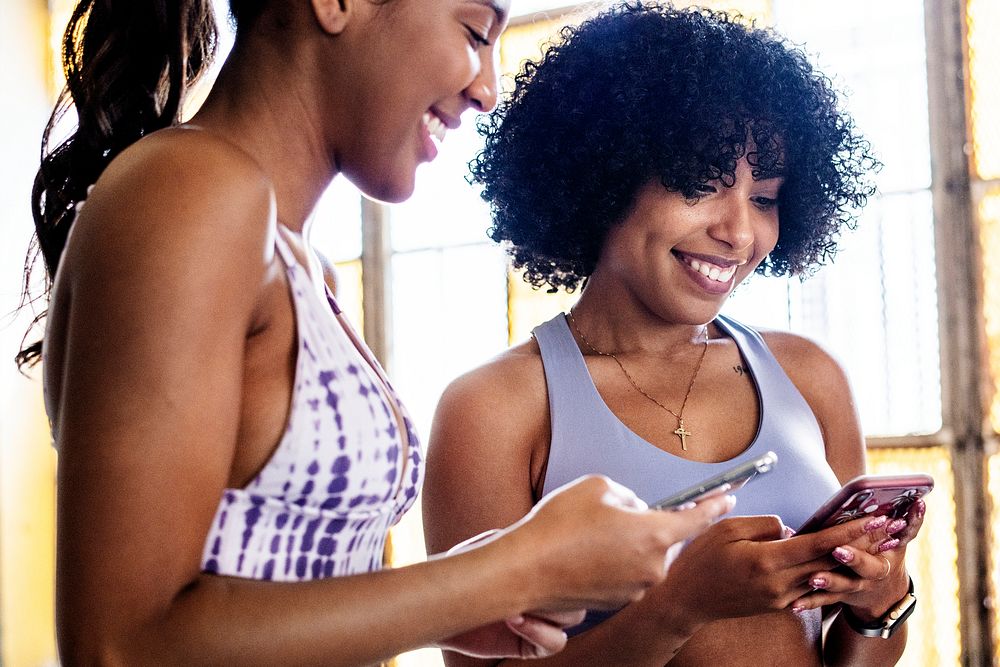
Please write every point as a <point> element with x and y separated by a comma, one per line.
<point>920,507</point>
<point>687,506</point>
<point>876,523</point>
<point>888,545</point>
<point>818,582</point>
<point>895,526</point>
<point>843,555</point>
<point>731,501</point>
<point>798,608</point>
<point>788,532</point>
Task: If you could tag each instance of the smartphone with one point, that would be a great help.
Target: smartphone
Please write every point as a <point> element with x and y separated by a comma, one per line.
<point>870,495</point>
<point>736,477</point>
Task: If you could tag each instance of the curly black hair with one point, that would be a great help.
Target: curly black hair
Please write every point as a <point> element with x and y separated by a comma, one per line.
<point>643,91</point>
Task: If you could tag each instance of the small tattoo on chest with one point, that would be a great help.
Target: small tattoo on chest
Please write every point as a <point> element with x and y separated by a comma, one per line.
<point>739,369</point>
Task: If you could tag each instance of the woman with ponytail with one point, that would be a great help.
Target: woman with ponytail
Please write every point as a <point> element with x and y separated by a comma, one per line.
<point>230,455</point>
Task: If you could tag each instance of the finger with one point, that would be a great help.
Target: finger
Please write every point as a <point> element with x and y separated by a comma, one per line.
<point>622,496</point>
<point>686,523</point>
<point>807,547</point>
<point>914,521</point>
<point>541,639</point>
<point>868,566</point>
<point>755,528</point>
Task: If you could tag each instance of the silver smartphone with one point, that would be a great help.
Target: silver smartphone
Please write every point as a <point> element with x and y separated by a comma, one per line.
<point>736,477</point>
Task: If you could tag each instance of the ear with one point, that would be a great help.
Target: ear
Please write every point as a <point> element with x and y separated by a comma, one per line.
<point>333,15</point>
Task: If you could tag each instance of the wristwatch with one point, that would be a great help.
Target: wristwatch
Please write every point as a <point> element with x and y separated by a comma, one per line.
<point>885,626</point>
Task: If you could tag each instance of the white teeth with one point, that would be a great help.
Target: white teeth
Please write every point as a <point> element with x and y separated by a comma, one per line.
<point>435,126</point>
<point>711,271</point>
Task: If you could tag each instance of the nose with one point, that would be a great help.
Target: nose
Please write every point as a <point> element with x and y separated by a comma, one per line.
<point>482,91</point>
<point>735,225</point>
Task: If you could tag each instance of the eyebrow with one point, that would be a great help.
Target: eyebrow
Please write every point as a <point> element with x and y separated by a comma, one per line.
<point>762,175</point>
<point>497,9</point>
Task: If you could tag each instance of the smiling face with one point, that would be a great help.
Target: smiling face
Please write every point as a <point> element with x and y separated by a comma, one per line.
<point>681,257</point>
<point>422,64</point>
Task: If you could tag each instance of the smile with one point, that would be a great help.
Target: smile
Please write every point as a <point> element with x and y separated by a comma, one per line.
<point>435,126</point>
<point>720,274</point>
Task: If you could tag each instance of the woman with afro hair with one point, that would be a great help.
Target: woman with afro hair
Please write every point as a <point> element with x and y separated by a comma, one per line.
<point>657,157</point>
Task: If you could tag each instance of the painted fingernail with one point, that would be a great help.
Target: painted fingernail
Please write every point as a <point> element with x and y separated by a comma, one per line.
<point>843,555</point>
<point>895,526</point>
<point>920,508</point>
<point>798,608</point>
<point>788,532</point>
<point>876,523</point>
<point>819,582</point>
<point>888,545</point>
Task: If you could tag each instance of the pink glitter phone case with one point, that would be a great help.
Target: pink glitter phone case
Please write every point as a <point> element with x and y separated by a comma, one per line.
<point>870,495</point>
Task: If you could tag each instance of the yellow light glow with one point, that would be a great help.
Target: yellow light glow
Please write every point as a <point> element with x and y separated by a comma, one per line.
<point>528,307</point>
<point>993,486</point>
<point>983,17</point>
<point>989,230</point>
<point>350,293</point>
<point>931,559</point>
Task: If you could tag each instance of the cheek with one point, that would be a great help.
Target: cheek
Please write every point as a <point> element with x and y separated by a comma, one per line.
<point>766,237</point>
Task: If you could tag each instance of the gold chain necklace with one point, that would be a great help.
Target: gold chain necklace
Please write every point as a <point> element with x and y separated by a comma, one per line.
<point>680,431</point>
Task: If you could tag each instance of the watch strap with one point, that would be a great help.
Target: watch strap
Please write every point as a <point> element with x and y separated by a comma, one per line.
<point>885,626</point>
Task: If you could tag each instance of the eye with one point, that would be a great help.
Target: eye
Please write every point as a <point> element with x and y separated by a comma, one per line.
<point>476,38</point>
<point>697,191</point>
<point>765,203</point>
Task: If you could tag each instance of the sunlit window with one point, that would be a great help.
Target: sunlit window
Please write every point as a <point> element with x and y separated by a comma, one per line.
<point>875,308</point>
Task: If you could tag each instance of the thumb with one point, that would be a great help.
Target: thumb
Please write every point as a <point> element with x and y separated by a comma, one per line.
<point>691,521</point>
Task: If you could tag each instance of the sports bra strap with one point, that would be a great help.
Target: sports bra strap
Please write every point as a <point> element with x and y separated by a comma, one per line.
<point>283,248</point>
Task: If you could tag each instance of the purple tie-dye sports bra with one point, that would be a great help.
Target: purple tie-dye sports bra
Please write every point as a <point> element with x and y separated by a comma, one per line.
<point>342,473</point>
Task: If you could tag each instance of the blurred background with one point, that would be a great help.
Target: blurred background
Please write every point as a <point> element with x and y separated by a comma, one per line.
<point>911,305</point>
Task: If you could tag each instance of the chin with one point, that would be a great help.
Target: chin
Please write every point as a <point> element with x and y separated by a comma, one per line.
<point>389,188</point>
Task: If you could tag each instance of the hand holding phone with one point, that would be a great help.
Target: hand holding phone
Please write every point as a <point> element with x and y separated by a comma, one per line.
<point>870,496</point>
<point>736,478</point>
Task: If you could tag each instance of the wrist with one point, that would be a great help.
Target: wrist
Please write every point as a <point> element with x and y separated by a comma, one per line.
<point>679,620</point>
<point>888,623</point>
<point>892,592</point>
<point>522,574</point>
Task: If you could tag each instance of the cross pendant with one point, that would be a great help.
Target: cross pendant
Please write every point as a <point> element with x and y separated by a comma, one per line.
<point>682,434</point>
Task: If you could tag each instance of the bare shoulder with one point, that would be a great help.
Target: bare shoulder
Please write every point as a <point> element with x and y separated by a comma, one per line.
<point>824,384</point>
<point>510,384</point>
<point>487,449</point>
<point>809,365</point>
<point>495,416</point>
<point>177,195</point>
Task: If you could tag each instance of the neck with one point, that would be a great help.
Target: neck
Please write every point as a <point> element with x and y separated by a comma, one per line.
<point>280,133</point>
<point>620,323</point>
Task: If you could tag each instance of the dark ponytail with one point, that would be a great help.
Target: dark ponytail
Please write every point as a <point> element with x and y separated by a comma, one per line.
<point>128,64</point>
